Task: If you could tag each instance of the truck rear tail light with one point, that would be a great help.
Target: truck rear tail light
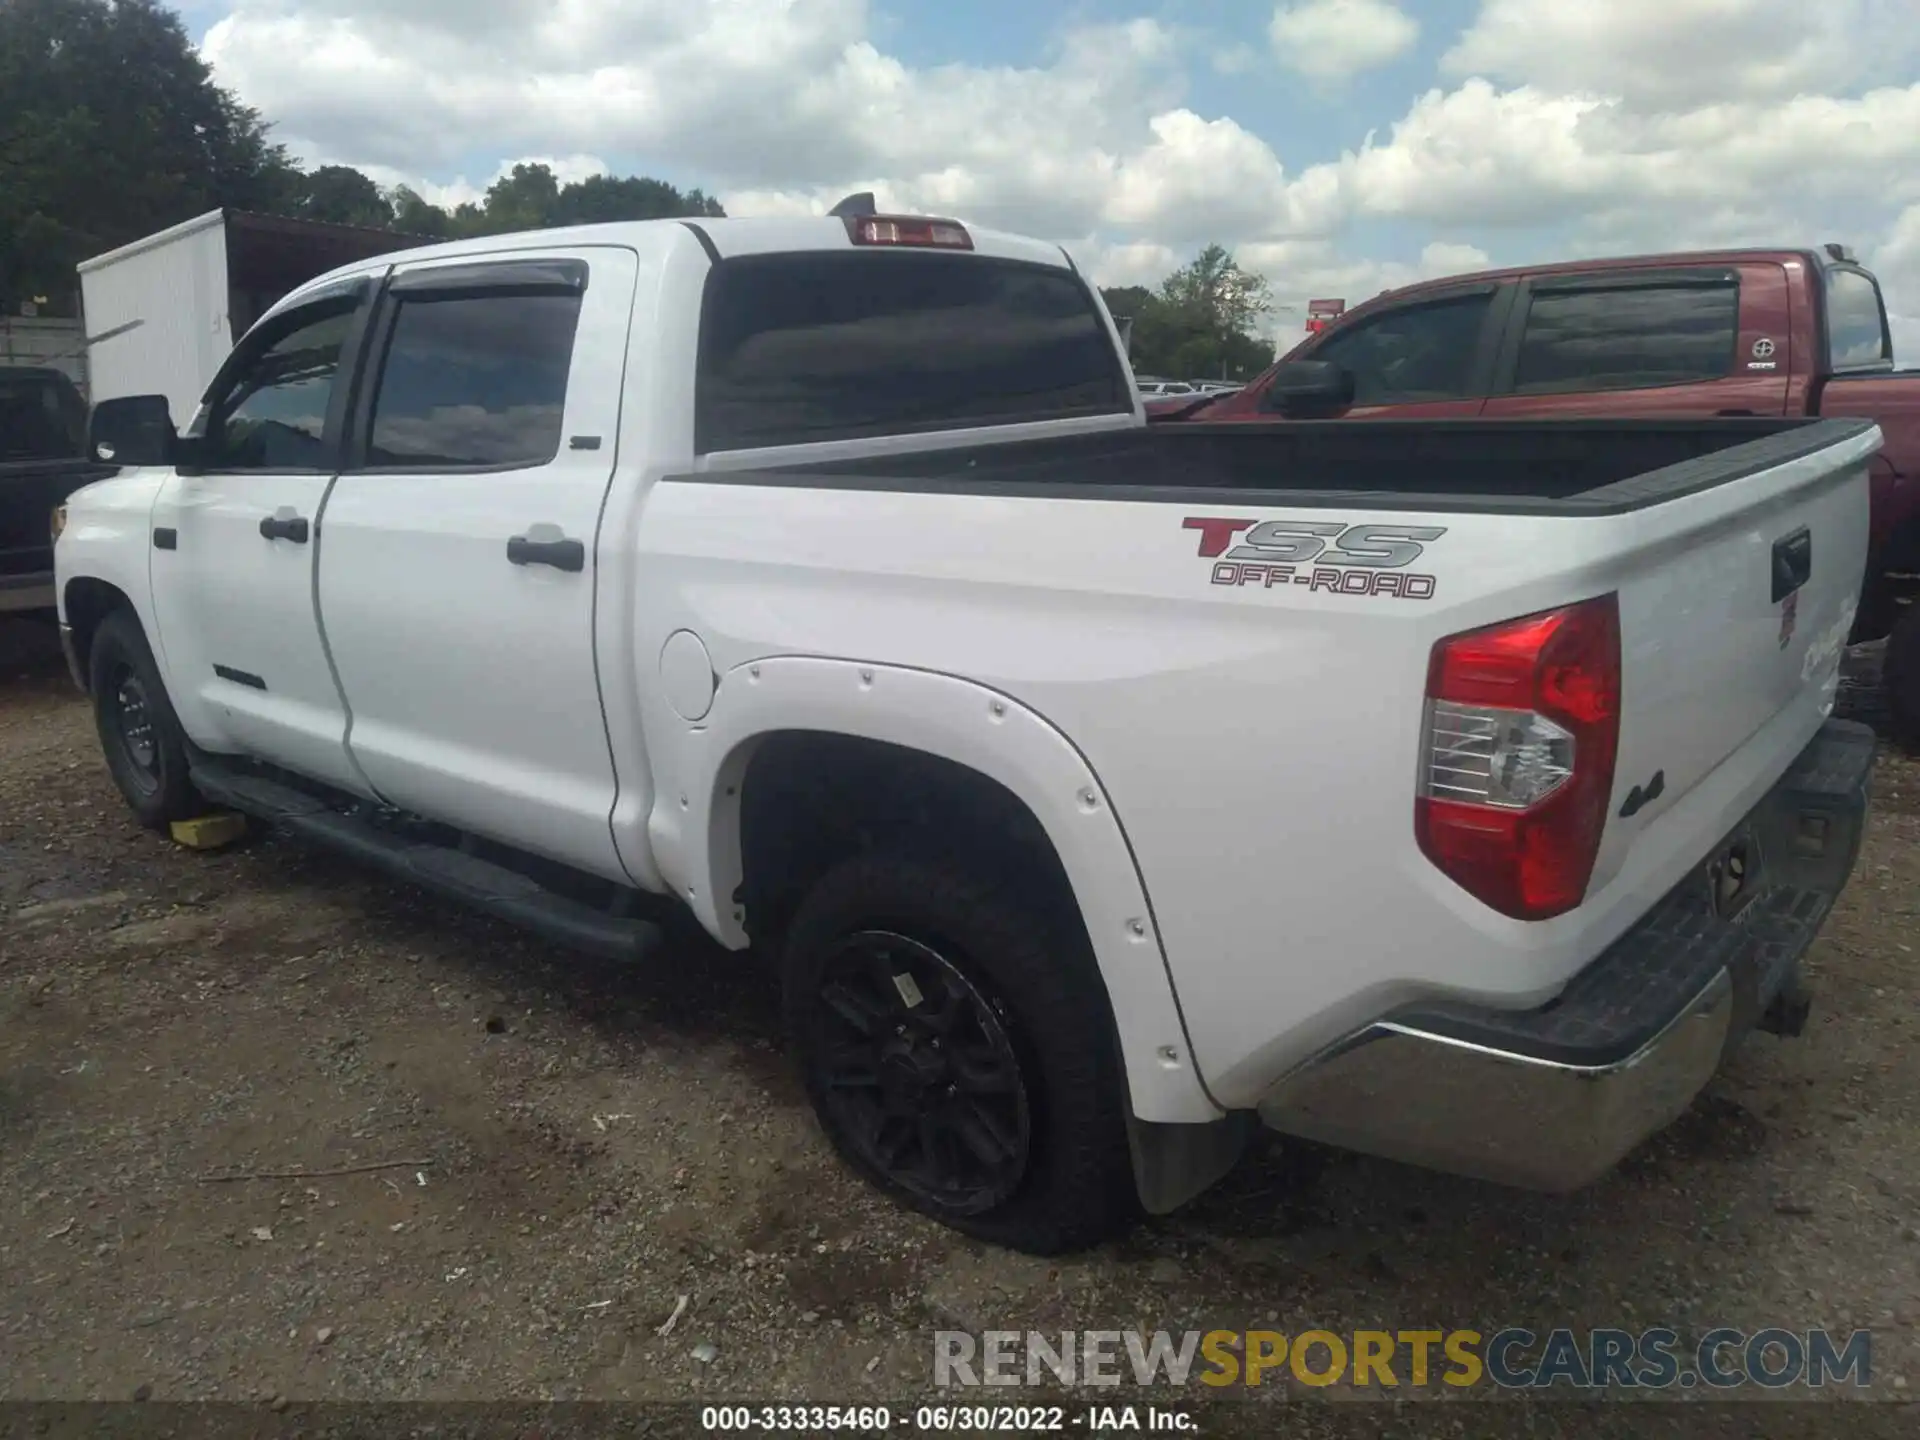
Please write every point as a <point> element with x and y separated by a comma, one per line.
<point>907,230</point>
<point>1522,722</point>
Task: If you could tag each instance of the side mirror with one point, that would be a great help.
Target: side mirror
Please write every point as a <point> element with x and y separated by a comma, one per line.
<point>132,430</point>
<point>1308,387</point>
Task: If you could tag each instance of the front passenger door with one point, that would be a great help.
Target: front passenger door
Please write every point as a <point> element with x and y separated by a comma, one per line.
<point>1430,360</point>
<point>234,540</point>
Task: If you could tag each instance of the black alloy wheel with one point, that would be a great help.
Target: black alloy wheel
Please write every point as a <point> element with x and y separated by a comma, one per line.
<point>140,736</point>
<point>131,713</point>
<point>920,1072</point>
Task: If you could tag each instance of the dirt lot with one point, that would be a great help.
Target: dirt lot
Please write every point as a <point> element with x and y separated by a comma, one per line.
<point>583,1146</point>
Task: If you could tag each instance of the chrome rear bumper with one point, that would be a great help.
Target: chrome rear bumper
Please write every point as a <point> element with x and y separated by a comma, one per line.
<point>1553,1098</point>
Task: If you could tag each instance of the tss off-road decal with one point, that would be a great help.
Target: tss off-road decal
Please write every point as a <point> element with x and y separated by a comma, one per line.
<point>1328,555</point>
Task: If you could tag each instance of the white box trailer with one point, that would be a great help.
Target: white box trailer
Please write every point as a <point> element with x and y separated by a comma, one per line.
<point>162,312</point>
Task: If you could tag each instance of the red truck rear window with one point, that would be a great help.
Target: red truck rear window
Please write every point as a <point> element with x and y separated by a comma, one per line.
<point>1857,337</point>
<point>800,348</point>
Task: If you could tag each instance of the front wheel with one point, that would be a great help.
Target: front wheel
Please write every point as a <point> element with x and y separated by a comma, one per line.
<point>145,747</point>
<point>958,1054</point>
<point>1900,676</point>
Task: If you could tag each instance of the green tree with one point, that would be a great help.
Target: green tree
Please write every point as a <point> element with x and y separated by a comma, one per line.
<point>1219,303</point>
<point>415,215</point>
<point>341,195</point>
<point>1198,324</point>
<point>1215,287</point>
<point>523,199</point>
<point>111,127</point>
<point>601,198</point>
<point>530,197</point>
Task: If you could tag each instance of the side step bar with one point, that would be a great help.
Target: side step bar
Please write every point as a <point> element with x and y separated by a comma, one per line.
<point>499,891</point>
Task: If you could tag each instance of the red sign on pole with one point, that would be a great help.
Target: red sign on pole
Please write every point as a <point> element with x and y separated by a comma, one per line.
<point>1322,313</point>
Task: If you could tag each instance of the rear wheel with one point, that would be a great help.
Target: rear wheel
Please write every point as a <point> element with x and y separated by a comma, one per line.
<point>145,748</point>
<point>1901,679</point>
<point>956,1056</point>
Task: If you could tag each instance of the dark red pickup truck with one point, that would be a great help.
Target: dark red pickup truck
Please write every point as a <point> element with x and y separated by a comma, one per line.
<point>1733,332</point>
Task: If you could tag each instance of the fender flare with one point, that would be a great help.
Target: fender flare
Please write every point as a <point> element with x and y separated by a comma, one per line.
<point>695,826</point>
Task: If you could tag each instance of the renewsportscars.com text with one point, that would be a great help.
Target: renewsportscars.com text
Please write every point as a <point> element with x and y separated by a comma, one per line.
<point>1513,1358</point>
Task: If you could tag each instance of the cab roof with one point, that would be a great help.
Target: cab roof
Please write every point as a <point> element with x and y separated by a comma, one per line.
<point>724,238</point>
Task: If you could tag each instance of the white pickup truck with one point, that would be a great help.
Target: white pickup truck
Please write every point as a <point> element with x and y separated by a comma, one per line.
<point>1458,792</point>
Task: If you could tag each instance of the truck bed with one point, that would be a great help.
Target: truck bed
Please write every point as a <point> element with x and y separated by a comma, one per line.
<point>1595,467</point>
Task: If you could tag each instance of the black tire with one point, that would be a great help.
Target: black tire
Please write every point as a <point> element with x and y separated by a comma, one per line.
<point>1034,995</point>
<point>1900,677</point>
<point>140,735</point>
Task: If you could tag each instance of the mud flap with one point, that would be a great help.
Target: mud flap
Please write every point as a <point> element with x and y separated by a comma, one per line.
<point>1174,1163</point>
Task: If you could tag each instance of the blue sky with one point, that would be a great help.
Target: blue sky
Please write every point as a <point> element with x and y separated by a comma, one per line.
<point>1404,138</point>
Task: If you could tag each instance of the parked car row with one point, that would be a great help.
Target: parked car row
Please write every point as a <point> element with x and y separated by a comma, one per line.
<point>1459,792</point>
<point>1153,386</point>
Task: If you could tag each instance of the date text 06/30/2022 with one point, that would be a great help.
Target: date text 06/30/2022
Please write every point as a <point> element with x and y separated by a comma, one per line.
<point>943,1419</point>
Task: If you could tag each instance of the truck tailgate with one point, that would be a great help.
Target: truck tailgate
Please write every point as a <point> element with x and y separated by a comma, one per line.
<point>1732,631</point>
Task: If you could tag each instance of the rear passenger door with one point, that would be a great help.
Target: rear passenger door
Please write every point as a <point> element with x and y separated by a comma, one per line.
<point>1690,340</point>
<point>457,554</point>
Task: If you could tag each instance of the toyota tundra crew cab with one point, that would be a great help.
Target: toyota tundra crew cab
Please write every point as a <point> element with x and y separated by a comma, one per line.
<point>1459,793</point>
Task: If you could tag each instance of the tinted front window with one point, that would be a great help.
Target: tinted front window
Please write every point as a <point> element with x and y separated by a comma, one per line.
<point>1627,338</point>
<point>1856,333</point>
<point>273,413</point>
<point>798,348</point>
<point>475,380</point>
<point>1424,352</point>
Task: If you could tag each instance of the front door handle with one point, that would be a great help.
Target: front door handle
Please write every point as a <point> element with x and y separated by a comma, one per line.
<point>546,545</point>
<point>1792,563</point>
<point>283,524</point>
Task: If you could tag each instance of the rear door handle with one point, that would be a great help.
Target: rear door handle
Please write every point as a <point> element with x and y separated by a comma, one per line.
<point>546,545</point>
<point>1792,563</point>
<point>283,524</point>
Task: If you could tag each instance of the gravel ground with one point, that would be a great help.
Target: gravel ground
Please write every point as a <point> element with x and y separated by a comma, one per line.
<point>573,1148</point>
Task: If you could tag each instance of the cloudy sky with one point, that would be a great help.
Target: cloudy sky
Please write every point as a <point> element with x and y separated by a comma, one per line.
<point>1338,146</point>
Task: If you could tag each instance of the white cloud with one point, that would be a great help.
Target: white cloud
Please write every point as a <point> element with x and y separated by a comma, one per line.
<point>1897,262</point>
<point>1689,52</point>
<point>1337,39</point>
<point>1531,157</point>
<point>1628,125</point>
<point>1139,262</point>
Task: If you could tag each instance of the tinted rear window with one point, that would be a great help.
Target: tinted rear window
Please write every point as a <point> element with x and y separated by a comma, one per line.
<point>1856,332</point>
<point>1628,338</point>
<point>834,346</point>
